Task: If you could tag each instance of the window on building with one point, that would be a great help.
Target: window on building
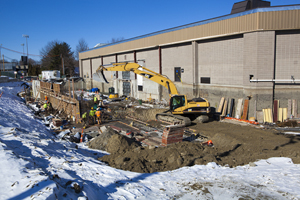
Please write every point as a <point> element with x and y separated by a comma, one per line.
<point>205,80</point>
<point>140,88</point>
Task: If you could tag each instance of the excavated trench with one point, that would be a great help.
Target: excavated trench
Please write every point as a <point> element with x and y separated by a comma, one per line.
<point>234,145</point>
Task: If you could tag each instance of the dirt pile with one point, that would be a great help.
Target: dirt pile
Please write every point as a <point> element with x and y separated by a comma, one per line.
<point>144,114</point>
<point>112,142</point>
<point>148,160</point>
<point>120,144</point>
<point>101,141</point>
<point>289,123</point>
<point>234,145</point>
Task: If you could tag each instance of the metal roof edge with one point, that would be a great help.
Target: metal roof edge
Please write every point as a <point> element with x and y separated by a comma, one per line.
<point>207,21</point>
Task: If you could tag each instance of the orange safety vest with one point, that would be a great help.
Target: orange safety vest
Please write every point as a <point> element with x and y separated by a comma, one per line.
<point>98,113</point>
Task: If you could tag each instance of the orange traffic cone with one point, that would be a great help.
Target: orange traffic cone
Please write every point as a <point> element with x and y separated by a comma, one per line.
<point>81,136</point>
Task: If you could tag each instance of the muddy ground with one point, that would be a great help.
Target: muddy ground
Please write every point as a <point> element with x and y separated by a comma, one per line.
<point>234,145</point>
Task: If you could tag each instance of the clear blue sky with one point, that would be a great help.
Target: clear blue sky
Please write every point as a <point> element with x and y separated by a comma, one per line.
<point>98,21</point>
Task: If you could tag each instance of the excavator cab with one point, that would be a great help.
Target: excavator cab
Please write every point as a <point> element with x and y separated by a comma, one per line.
<point>177,101</point>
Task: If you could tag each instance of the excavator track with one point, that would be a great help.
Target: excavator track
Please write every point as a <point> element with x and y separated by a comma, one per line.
<point>176,119</point>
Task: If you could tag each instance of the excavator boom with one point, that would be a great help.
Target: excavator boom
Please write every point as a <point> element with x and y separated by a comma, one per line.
<point>137,69</point>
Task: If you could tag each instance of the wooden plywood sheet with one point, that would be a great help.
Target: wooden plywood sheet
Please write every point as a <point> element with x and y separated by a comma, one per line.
<point>276,107</point>
<point>239,109</point>
<point>224,112</point>
<point>280,114</point>
<point>231,108</point>
<point>294,108</point>
<point>221,105</point>
<point>289,108</point>
<point>284,113</point>
<point>260,116</point>
<point>245,110</point>
<point>270,115</point>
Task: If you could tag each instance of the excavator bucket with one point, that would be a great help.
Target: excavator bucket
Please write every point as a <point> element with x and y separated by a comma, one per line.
<point>99,76</point>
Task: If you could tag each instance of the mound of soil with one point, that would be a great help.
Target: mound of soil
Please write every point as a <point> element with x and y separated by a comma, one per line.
<point>234,145</point>
<point>148,160</point>
<point>119,144</point>
<point>144,114</point>
<point>101,141</point>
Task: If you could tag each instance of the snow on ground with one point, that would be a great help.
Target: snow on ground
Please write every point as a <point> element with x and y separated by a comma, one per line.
<point>37,165</point>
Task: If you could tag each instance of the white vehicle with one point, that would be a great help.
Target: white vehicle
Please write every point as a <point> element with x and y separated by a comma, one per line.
<point>50,74</point>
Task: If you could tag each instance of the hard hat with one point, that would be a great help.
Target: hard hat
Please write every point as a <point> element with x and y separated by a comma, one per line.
<point>92,108</point>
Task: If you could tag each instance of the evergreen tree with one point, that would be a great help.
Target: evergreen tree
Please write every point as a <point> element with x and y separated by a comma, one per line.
<point>57,53</point>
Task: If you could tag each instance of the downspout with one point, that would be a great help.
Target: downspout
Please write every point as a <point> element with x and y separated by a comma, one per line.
<point>91,67</point>
<point>81,68</point>
<point>116,62</point>
<point>160,72</point>
<point>134,57</point>
<point>102,84</point>
<point>274,73</point>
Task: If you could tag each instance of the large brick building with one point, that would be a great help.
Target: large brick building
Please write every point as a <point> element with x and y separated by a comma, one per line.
<point>213,58</point>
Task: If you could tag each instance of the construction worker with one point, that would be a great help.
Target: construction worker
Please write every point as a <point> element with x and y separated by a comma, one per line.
<point>84,119</point>
<point>95,100</point>
<point>92,114</point>
<point>98,116</point>
<point>49,106</point>
<point>101,104</point>
<point>45,106</point>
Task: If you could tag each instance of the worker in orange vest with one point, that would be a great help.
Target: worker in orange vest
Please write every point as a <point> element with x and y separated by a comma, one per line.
<point>98,116</point>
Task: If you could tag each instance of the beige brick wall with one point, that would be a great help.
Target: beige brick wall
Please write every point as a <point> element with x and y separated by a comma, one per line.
<point>178,56</point>
<point>288,55</point>
<point>221,60</point>
<point>259,57</point>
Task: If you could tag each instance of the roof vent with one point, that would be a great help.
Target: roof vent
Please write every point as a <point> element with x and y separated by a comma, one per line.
<point>249,4</point>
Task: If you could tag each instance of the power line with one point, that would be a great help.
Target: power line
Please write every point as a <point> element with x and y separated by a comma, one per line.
<point>28,54</point>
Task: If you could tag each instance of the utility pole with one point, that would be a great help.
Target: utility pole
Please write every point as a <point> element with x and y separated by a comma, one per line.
<point>23,47</point>
<point>3,62</point>
<point>62,64</point>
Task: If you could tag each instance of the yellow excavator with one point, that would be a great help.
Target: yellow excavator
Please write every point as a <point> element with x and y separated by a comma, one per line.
<point>182,110</point>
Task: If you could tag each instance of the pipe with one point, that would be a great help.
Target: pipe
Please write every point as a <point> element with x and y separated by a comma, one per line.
<point>274,80</point>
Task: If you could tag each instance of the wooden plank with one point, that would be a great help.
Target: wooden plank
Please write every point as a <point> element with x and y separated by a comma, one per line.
<point>294,108</point>
<point>255,109</point>
<point>289,108</point>
<point>221,105</point>
<point>245,110</point>
<point>280,114</point>
<point>231,108</point>
<point>260,116</point>
<point>276,107</point>
<point>265,116</point>
<point>239,109</point>
<point>270,115</point>
<point>224,112</point>
<point>284,113</point>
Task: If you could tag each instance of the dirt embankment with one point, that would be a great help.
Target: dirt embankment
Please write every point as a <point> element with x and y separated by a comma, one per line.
<point>234,145</point>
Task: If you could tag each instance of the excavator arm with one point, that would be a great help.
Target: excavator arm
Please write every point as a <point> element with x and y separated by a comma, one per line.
<point>137,69</point>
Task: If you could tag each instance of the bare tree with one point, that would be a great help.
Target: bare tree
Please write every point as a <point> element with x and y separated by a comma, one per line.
<point>82,46</point>
<point>114,40</point>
